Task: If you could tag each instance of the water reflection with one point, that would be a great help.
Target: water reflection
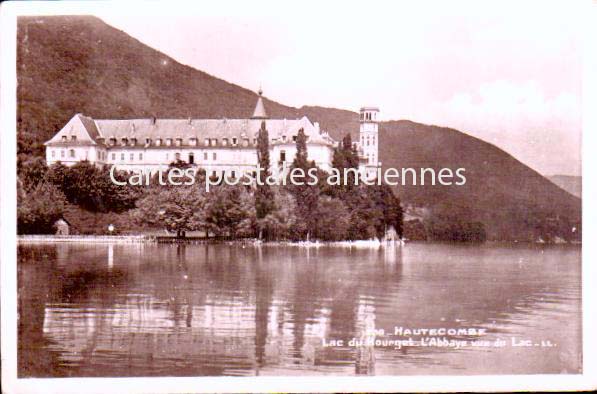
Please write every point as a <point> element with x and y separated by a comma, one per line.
<point>182,310</point>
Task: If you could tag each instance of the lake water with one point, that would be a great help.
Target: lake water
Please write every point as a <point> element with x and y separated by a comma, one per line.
<point>196,310</point>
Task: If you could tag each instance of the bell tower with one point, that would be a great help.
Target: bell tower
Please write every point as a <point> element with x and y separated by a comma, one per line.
<point>259,112</point>
<point>369,137</point>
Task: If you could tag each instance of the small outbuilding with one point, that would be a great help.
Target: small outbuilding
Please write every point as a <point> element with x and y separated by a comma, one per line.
<point>62,226</point>
<point>391,235</point>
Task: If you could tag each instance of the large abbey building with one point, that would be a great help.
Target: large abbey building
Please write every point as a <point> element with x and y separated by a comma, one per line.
<point>217,145</point>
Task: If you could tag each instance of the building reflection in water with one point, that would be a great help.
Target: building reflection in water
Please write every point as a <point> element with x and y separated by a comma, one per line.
<point>224,309</point>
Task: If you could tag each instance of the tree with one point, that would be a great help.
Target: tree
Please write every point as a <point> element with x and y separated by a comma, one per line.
<point>365,216</point>
<point>263,194</point>
<point>332,222</point>
<point>307,194</point>
<point>372,208</point>
<point>282,222</point>
<point>39,208</point>
<point>230,211</point>
<point>177,209</point>
<point>91,188</point>
<point>389,206</point>
<point>32,171</point>
<point>345,157</point>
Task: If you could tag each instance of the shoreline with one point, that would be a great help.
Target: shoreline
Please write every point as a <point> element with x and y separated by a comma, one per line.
<point>128,239</point>
<point>157,239</point>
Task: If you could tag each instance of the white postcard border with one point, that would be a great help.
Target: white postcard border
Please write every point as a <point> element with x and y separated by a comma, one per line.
<point>586,380</point>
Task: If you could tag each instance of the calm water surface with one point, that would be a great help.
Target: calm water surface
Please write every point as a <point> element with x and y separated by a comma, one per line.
<point>176,310</point>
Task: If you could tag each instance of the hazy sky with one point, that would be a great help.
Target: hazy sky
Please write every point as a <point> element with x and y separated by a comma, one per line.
<point>509,73</point>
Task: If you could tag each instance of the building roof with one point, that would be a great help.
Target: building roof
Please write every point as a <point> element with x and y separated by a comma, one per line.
<point>367,108</point>
<point>100,131</point>
<point>91,131</point>
<point>259,112</point>
<point>80,130</point>
<point>208,128</point>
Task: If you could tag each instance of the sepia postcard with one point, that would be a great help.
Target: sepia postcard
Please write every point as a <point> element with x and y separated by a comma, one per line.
<point>314,196</point>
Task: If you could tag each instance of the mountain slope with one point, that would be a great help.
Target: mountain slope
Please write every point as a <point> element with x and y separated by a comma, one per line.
<point>514,201</point>
<point>572,184</point>
<point>71,64</point>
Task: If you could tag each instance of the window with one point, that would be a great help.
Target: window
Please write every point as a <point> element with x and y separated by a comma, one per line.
<point>234,141</point>
<point>63,138</point>
<point>123,140</point>
<point>178,141</point>
<point>254,141</point>
<point>206,142</point>
<point>232,174</point>
<point>294,138</point>
<point>62,154</point>
<point>71,153</point>
<point>224,141</point>
<point>191,158</point>
<point>214,155</point>
<point>283,138</point>
<point>158,142</point>
<point>113,156</point>
<point>132,156</point>
<point>193,142</point>
<point>166,157</point>
<point>177,156</point>
<point>73,138</point>
<point>140,156</point>
<point>204,155</point>
<point>122,156</point>
<point>53,154</point>
<point>214,142</point>
<point>168,141</point>
<point>282,155</point>
<point>147,141</point>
